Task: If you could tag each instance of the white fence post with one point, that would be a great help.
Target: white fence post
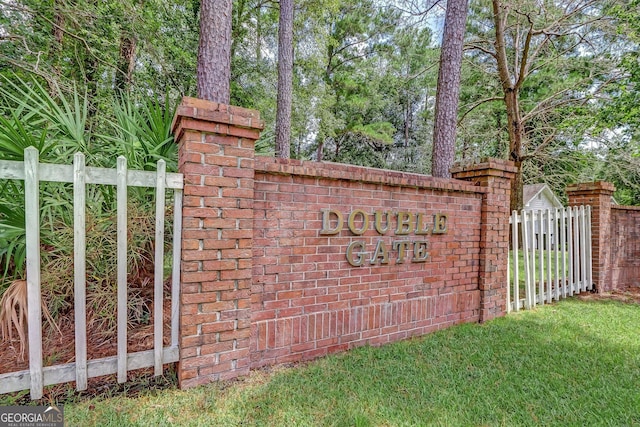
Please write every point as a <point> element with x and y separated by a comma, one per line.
<point>532,251</point>
<point>80,268</point>
<point>516,270</point>
<point>525,256</point>
<point>32,229</point>
<point>570,247</point>
<point>563,242</point>
<point>576,251</point>
<point>583,249</point>
<point>556,246</point>
<point>540,242</point>
<point>547,246</point>
<point>121,197</point>
<point>159,267</point>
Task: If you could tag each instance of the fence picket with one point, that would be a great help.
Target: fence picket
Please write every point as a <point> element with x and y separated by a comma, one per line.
<point>80,269</point>
<point>563,241</point>
<point>583,248</point>
<point>576,251</point>
<point>532,251</point>
<point>509,261</point>
<point>556,234</point>
<point>525,256</point>
<point>32,230</point>
<point>540,242</point>
<point>516,272</point>
<point>570,250</point>
<point>159,267</point>
<point>121,197</point>
<point>547,245</point>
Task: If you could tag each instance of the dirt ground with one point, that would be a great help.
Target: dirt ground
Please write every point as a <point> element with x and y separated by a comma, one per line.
<point>58,348</point>
<point>629,296</point>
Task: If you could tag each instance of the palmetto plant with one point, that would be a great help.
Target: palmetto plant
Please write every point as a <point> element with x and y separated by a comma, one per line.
<point>142,133</point>
<point>58,126</point>
<point>13,313</point>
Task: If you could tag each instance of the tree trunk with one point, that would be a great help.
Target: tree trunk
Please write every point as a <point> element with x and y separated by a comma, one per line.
<point>516,144</point>
<point>517,183</point>
<point>407,124</point>
<point>126,64</point>
<point>444,128</point>
<point>511,91</point>
<point>320,151</point>
<point>285,80</point>
<point>214,51</point>
<point>259,35</point>
<point>58,34</point>
<point>91,74</point>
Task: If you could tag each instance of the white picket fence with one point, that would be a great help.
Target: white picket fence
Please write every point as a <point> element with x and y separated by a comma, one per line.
<point>554,246</point>
<point>33,172</point>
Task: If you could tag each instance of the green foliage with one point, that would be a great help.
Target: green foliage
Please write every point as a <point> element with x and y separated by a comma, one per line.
<point>12,238</point>
<point>143,133</point>
<point>15,137</point>
<point>58,124</point>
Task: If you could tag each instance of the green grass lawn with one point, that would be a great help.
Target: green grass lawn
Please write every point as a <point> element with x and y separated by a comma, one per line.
<point>570,363</point>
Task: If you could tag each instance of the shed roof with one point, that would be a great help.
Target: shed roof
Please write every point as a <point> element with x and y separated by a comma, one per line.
<point>529,192</point>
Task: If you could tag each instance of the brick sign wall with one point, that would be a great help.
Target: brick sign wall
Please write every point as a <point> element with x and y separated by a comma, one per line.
<point>345,256</point>
<point>285,260</point>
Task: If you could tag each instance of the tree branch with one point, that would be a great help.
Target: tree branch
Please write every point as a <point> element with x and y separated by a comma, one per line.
<point>540,147</point>
<point>524,64</point>
<point>477,104</point>
<point>501,49</point>
<point>474,46</point>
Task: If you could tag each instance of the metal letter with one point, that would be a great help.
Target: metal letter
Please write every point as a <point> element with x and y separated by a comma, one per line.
<point>439,224</point>
<point>352,220</point>
<point>402,246</point>
<point>420,253</point>
<point>360,259</point>
<point>379,228</point>
<point>421,227</point>
<point>381,251</point>
<point>405,223</point>
<point>326,222</point>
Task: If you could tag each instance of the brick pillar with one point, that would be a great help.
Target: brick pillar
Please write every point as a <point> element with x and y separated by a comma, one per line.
<point>598,196</point>
<point>494,175</point>
<point>216,156</point>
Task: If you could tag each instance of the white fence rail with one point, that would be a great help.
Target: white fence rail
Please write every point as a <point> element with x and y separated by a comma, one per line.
<point>550,256</point>
<point>33,172</point>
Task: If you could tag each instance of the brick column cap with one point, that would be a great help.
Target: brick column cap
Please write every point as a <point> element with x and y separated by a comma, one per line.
<point>596,187</point>
<point>200,115</point>
<point>486,167</point>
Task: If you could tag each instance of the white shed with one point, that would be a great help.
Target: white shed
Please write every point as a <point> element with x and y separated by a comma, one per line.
<point>540,197</point>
